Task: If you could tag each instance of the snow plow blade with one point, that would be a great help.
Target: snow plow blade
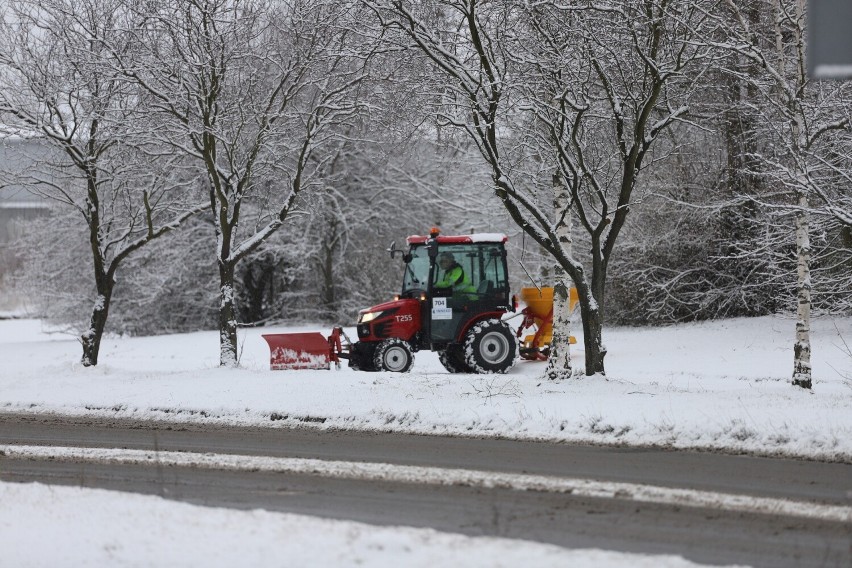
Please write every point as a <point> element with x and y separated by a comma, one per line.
<point>299,351</point>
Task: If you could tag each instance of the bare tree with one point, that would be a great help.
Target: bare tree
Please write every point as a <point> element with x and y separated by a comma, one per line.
<point>575,92</point>
<point>382,185</point>
<point>246,89</point>
<point>55,88</point>
<point>801,117</point>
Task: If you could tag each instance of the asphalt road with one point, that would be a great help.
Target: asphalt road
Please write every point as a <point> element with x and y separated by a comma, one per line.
<point>706,535</point>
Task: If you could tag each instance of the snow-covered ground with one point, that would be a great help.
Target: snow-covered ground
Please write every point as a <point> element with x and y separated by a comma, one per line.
<point>721,385</point>
<point>43,525</point>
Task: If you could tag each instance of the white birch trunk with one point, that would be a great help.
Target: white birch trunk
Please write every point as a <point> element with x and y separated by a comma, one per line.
<point>559,364</point>
<point>802,347</point>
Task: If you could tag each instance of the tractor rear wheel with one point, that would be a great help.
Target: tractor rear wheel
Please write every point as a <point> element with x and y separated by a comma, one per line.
<point>452,358</point>
<point>393,355</point>
<point>490,347</point>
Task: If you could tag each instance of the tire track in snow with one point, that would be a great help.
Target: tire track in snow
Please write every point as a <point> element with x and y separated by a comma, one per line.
<point>371,471</point>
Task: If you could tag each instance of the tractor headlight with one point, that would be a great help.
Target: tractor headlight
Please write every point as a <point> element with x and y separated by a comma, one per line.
<point>368,317</point>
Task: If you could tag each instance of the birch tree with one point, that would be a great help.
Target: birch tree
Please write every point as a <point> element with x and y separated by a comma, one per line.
<point>246,89</point>
<point>800,118</point>
<point>580,92</point>
<point>55,88</point>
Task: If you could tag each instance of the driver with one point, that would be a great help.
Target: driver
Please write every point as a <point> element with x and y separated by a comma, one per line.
<point>454,276</point>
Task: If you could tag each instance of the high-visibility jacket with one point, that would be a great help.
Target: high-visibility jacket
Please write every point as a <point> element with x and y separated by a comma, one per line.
<point>457,279</point>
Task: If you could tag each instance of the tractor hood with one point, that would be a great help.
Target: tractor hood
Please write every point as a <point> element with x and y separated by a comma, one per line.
<point>387,309</point>
<point>397,319</point>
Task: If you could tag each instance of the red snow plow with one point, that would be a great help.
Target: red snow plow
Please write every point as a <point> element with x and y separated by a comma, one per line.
<point>304,350</point>
<point>455,292</point>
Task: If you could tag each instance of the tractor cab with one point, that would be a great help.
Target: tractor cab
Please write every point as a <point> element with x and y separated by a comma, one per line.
<point>458,279</point>
<point>454,291</point>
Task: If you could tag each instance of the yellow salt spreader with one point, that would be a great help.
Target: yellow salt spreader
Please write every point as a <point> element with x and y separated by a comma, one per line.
<point>538,318</point>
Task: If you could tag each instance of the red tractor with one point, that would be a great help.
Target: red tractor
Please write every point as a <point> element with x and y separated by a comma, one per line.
<point>461,322</point>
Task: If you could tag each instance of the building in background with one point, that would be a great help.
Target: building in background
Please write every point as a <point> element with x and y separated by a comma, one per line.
<point>18,206</point>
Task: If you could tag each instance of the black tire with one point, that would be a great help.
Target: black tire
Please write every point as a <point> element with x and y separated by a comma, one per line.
<point>361,356</point>
<point>490,347</point>
<point>393,355</point>
<point>452,359</point>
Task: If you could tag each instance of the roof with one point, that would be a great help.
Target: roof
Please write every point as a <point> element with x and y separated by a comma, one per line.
<point>19,154</point>
<point>461,239</point>
<point>19,198</point>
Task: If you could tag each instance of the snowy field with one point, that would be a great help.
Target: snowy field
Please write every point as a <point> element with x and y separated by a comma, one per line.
<point>721,385</point>
<point>715,385</point>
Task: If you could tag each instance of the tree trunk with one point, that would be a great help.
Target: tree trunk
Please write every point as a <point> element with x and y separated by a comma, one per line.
<point>104,281</point>
<point>327,290</point>
<point>802,347</point>
<point>559,364</point>
<point>91,338</point>
<point>227,316</point>
<point>593,338</point>
<point>593,313</point>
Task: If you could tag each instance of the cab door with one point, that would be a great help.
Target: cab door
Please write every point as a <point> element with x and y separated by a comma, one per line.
<point>484,265</point>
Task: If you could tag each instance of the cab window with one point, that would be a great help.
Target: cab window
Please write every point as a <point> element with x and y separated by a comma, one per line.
<point>483,265</point>
<point>416,270</point>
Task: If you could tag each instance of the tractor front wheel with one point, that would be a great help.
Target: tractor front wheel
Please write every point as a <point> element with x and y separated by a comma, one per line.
<point>393,355</point>
<point>452,358</point>
<point>361,356</point>
<point>490,347</point>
